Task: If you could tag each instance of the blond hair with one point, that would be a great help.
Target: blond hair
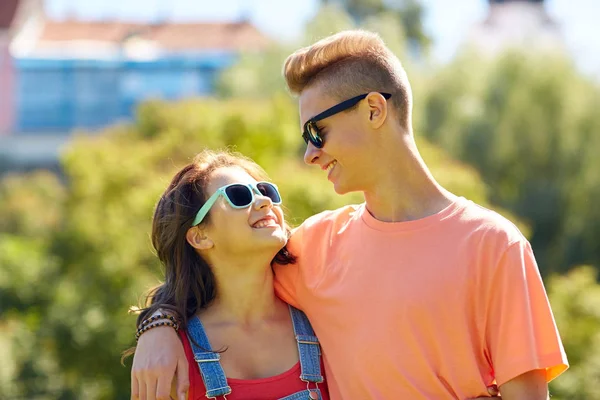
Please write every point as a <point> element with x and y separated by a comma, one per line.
<point>350,63</point>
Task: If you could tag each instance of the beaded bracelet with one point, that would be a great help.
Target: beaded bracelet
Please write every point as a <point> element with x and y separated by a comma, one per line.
<point>148,327</point>
<point>155,318</point>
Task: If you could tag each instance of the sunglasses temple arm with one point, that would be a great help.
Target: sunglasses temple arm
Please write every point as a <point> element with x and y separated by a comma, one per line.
<point>344,105</point>
<point>332,111</point>
<point>206,207</point>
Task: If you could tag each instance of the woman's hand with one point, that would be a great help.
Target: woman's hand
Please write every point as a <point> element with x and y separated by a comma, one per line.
<point>159,356</point>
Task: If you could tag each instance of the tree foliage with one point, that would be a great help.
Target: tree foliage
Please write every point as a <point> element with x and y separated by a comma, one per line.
<point>576,304</point>
<point>530,126</point>
<point>408,14</point>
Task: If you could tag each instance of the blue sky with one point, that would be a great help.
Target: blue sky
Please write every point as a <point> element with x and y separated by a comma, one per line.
<point>446,20</point>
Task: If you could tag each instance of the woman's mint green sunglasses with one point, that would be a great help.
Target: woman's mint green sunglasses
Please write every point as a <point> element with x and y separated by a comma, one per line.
<point>239,195</point>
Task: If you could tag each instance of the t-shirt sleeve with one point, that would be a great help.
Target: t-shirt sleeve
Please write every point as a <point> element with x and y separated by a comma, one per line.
<point>287,276</point>
<point>521,333</point>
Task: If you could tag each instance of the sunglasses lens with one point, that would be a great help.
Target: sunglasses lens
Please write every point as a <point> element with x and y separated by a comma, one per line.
<point>314,136</point>
<point>306,135</point>
<point>239,195</point>
<point>269,190</point>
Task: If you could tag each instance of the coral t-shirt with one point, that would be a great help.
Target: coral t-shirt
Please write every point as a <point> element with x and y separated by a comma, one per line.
<point>271,388</point>
<point>436,308</point>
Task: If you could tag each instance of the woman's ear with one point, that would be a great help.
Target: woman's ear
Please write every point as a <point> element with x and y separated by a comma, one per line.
<point>198,239</point>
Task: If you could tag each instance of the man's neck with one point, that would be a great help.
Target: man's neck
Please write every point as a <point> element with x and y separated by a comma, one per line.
<point>405,190</point>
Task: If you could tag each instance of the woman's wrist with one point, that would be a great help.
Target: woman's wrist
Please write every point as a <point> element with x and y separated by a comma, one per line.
<point>158,316</point>
<point>161,317</point>
<point>155,324</point>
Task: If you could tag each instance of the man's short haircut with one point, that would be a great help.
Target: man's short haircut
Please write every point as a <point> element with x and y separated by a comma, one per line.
<point>348,64</point>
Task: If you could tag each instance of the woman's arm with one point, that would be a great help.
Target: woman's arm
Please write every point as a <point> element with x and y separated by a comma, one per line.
<point>159,356</point>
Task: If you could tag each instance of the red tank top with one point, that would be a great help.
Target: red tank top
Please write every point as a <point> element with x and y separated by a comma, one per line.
<point>271,388</point>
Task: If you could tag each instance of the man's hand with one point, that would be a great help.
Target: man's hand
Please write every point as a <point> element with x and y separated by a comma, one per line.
<point>159,356</point>
<point>531,385</point>
<point>494,393</point>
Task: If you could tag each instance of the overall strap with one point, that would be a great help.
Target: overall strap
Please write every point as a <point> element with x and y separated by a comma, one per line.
<point>308,347</point>
<point>208,361</point>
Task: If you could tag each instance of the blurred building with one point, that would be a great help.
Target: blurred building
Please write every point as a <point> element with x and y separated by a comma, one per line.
<point>8,9</point>
<point>523,24</point>
<point>76,74</point>
<point>73,74</point>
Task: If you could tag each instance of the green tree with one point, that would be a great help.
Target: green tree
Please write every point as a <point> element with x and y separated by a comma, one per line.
<point>576,303</point>
<point>30,212</point>
<point>529,126</point>
<point>408,13</point>
<point>255,75</point>
<point>330,18</point>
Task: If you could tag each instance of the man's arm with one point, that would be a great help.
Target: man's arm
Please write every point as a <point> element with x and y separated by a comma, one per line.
<point>521,335</point>
<point>531,385</point>
<point>178,396</point>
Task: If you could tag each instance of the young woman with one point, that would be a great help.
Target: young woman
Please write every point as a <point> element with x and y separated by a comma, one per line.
<point>216,229</point>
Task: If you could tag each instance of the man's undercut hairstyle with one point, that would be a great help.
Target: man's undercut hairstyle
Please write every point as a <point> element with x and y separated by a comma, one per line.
<point>348,64</point>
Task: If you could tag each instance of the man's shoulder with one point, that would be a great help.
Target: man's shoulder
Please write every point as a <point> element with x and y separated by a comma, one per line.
<point>488,223</point>
<point>330,218</point>
<point>312,240</point>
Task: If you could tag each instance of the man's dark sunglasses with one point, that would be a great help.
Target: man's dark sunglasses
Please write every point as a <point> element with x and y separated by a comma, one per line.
<point>311,132</point>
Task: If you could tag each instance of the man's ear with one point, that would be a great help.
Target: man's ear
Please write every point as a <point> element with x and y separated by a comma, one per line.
<point>198,239</point>
<point>377,109</point>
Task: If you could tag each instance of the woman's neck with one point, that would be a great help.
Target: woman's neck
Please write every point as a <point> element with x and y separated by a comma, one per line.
<point>245,295</point>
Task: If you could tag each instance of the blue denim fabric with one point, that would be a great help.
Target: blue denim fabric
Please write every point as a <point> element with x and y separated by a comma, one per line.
<point>214,376</point>
<point>308,348</point>
<point>208,361</point>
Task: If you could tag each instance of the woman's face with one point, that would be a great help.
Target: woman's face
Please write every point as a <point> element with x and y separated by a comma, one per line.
<point>257,229</point>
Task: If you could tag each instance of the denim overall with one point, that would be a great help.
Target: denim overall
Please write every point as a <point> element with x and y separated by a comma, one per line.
<point>214,377</point>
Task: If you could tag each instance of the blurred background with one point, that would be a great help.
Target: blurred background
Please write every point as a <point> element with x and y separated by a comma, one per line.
<point>102,101</point>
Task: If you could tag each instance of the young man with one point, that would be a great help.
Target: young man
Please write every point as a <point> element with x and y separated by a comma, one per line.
<point>417,293</point>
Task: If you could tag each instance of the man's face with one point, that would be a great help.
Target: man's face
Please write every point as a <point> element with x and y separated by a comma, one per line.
<point>344,155</point>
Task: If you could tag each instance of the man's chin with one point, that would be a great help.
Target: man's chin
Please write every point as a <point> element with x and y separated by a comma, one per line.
<point>342,189</point>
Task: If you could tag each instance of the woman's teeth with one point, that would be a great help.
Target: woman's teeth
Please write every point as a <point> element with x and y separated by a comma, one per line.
<point>264,223</point>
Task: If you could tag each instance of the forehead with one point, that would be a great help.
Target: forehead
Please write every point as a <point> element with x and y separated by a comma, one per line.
<point>227,175</point>
<point>313,100</point>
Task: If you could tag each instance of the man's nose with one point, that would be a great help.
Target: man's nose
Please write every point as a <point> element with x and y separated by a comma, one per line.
<point>311,155</point>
